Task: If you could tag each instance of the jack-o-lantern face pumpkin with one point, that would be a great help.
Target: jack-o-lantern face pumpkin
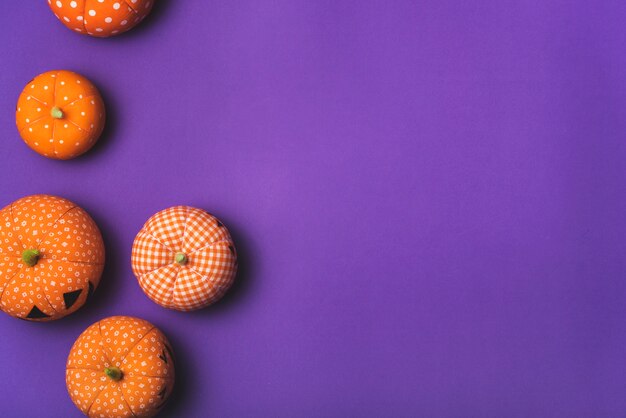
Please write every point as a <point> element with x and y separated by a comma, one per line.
<point>120,367</point>
<point>51,258</point>
<point>184,258</point>
<point>60,114</point>
<point>101,18</point>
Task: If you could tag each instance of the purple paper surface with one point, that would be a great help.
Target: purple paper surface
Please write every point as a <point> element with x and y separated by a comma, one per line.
<point>428,199</point>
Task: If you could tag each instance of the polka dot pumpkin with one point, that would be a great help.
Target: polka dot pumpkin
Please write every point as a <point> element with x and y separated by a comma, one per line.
<point>101,18</point>
<point>120,367</point>
<point>184,258</point>
<point>60,114</point>
<point>51,258</point>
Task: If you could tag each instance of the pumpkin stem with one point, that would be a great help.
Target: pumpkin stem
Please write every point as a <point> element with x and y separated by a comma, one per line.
<point>181,258</point>
<point>56,112</point>
<point>31,257</point>
<point>114,373</point>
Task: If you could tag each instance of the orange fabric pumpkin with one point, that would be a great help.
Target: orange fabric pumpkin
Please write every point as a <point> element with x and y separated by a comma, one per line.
<point>184,258</point>
<point>60,114</point>
<point>101,18</point>
<point>51,258</point>
<point>120,367</point>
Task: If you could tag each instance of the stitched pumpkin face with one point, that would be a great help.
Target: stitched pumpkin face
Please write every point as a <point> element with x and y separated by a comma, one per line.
<point>101,18</point>
<point>60,114</point>
<point>184,258</point>
<point>120,367</point>
<point>51,257</point>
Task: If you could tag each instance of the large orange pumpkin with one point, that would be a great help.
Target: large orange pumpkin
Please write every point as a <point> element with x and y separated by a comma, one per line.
<point>120,367</point>
<point>101,18</point>
<point>60,114</point>
<point>184,258</point>
<point>51,258</point>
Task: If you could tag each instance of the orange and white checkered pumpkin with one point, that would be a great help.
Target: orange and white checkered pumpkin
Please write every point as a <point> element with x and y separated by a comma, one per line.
<point>184,258</point>
<point>120,367</point>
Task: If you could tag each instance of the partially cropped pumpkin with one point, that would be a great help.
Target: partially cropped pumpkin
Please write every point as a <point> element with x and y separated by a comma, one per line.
<point>101,18</point>
<point>51,258</point>
<point>184,258</point>
<point>60,114</point>
<point>120,367</point>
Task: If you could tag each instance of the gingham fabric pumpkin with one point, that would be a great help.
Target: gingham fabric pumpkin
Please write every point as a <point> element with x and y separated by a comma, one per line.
<point>120,367</point>
<point>184,258</point>
<point>51,258</point>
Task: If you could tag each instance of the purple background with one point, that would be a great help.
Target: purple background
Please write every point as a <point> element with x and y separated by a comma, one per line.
<point>428,199</point>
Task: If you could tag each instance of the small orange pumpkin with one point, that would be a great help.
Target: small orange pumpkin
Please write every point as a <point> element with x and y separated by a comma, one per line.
<point>184,258</point>
<point>120,367</point>
<point>102,18</point>
<point>60,114</point>
<point>51,258</point>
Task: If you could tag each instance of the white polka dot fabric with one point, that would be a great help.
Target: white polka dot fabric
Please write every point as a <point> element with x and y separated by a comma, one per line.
<point>100,18</point>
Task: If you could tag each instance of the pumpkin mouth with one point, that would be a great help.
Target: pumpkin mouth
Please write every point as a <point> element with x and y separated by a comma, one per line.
<point>181,258</point>
<point>114,373</point>
<point>56,112</point>
<point>31,257</point>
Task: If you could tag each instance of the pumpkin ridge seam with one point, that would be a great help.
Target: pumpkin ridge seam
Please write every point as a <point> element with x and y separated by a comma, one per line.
<point>83,368</point>
<point>39,100</point>
<point>174,288</point>
<point>9,282</point>
<point>155,269</point>
<point>75,262</point>
<point>210,245</point>
<point>126,402</point>
<point>127,4</point>
<point>83,15</point>
<point>222,289</point>
<point>185,228</point>
<point>75,124</point>
<point>54,122</point>
<point>48,300</point>
<point>44,235</point>
<point>167,247</point>
<point>13,226</point>
<point>79,99</point>
<point>106,356</point>
<point>97,396</point>
<point>207,277</point>
<point>135,345</point>
<point>166,378</point>
<point>31,123</point>
<point>54,147</point>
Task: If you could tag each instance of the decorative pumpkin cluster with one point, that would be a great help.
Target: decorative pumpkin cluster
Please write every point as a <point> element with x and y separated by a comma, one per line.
<point>52,253</point>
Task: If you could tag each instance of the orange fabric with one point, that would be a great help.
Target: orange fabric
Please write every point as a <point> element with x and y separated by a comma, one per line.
<point>101,18</point>
<point>139,350</point>
<point>70,264</point>
<point>211,258</point>
<point>79,127</point>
